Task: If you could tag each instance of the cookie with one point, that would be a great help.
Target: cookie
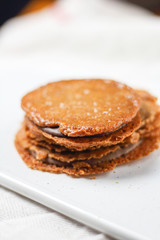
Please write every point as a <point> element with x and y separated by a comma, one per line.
<point>82,168</point>
<point>148,109</point>
<point>82,107</point>
<point>65,156</point>
<point>81,144</point>
<point>85,127</point>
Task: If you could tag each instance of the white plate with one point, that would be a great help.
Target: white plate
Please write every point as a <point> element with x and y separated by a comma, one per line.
<point>124,203</point>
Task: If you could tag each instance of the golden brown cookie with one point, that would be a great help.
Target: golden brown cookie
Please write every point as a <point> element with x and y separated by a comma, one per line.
<point>82,107</point>
<point>41,152</point>
<point>149,111</point>
<point>81,144</point>
<point>82,168</point>
<point>150,115</point>
<point>85,127</point>
<point>148,108</point>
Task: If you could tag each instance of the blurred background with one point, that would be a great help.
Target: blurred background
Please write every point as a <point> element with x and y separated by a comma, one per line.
<point>9,8</point>
<point>45,40</point>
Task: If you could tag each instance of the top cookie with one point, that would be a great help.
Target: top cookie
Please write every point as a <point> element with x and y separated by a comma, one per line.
<point>82,107</point>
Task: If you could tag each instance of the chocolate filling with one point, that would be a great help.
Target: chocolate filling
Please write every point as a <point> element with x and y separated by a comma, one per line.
<point>106,158</point>
<point>54,131</point>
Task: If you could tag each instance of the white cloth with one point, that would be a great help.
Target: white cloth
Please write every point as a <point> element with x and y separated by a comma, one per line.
<point>21,218</point>
<point>85,38</point>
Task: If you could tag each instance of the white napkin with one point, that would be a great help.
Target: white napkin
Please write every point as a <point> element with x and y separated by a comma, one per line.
<point>85,38</point>
<point>21,218</point>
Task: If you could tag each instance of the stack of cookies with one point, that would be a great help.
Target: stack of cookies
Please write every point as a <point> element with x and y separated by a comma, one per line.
<point>85,127</point>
